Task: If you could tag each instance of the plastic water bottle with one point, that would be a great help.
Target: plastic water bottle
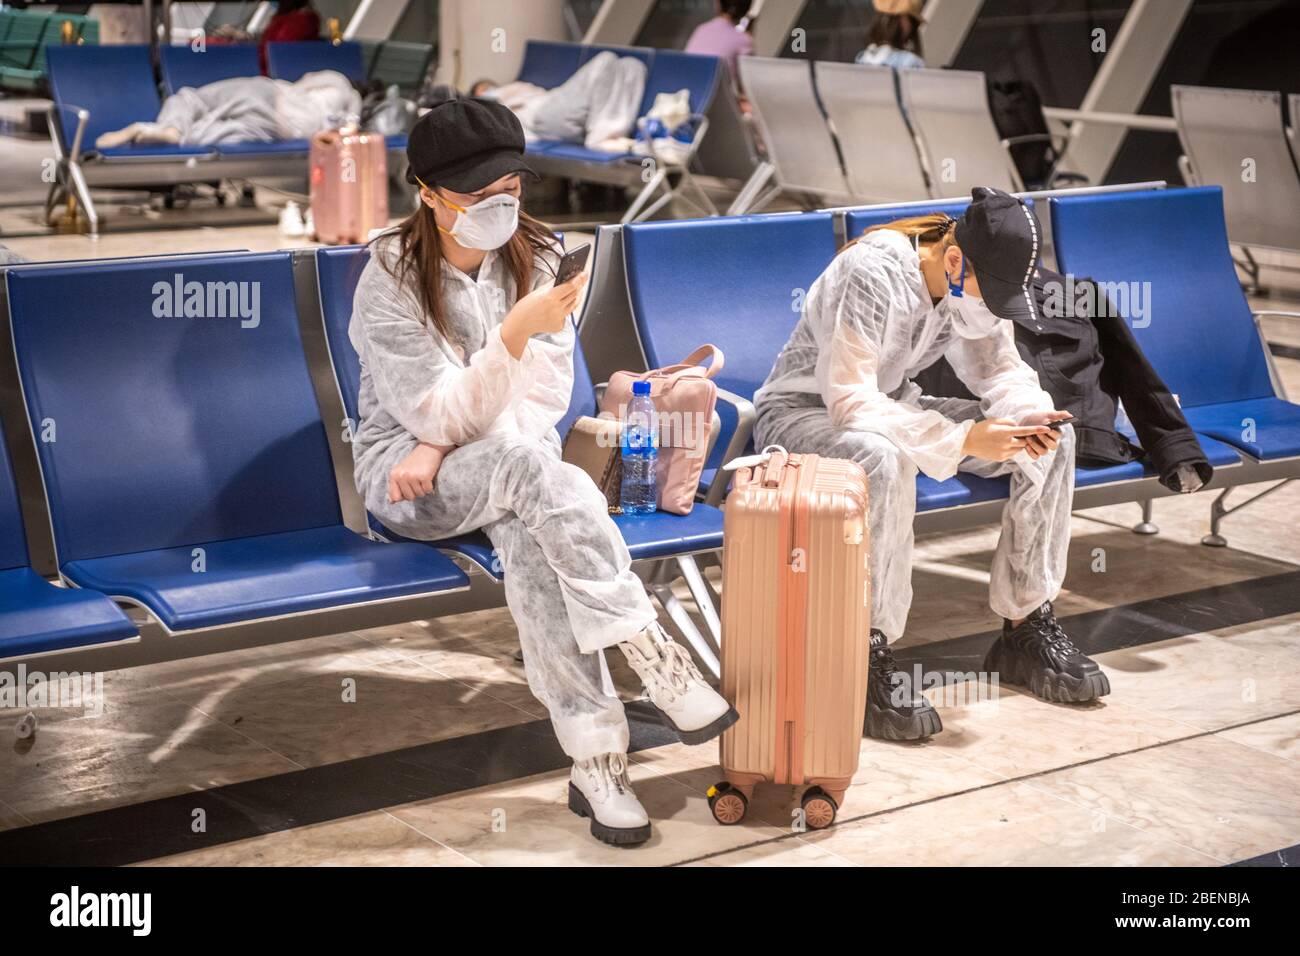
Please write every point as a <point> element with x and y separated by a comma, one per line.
<point>638,494</point>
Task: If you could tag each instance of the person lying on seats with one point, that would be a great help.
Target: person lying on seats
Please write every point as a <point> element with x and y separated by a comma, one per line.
<point>891,302</point>
<point>466,367</point>
<point>597,106</point>
<point>245,109</point>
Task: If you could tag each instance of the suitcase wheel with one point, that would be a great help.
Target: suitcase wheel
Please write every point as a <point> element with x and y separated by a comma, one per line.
<point>728,804</point>
<point>818,808</point>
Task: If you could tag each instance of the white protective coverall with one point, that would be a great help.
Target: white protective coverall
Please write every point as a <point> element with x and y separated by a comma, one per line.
<point>568,580</point>
<point>842,388</point>
<point>597,106</point>
<point>246,109</point>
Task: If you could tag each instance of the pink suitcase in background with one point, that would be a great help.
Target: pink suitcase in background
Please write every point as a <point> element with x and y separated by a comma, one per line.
<point>796,613</point>
<point>349,184</point>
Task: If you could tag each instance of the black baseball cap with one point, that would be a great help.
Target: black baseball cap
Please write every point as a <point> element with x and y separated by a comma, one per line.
<point>465,144</point>
<point>1002,238</point>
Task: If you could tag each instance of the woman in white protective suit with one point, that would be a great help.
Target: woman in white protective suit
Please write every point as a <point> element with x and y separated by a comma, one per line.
<point>466,367</point>
<point>889,305</point>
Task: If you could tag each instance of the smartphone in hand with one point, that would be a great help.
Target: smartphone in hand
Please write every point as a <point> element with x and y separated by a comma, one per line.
<point>572,263</point>
<point>1056,425</point>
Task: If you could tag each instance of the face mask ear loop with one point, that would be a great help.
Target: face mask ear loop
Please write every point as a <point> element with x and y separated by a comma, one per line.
<point>956,290</point>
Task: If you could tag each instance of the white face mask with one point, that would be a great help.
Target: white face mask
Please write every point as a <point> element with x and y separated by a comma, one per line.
<point>971,318</point>
<point>488,224</point>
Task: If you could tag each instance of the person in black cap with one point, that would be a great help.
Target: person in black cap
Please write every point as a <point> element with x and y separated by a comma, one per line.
<point>894,300</point>
<point>466,355</point>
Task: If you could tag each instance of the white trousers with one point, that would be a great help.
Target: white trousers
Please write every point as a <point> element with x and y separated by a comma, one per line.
<point>568,578</point>
<point>1029,564</point>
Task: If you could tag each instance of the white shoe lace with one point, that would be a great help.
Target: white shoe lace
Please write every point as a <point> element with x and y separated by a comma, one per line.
<point>609,772</point>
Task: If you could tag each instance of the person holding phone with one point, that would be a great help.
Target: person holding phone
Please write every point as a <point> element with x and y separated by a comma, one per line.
<point>892,302</point>
<point>466,367</point>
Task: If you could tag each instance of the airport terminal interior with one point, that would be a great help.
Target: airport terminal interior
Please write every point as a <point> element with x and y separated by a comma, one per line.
<point>213,650</point>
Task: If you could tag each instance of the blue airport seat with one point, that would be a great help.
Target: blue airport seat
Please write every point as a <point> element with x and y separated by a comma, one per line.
<point>735,282</point>
<point>183,66</point>
<point>548,64</point>
<point>671,70</point>
<point>114,82</point>
<point>265,576</point>
<point>292,61</point>
<point>1264,428</point>
<point>225,451</point>
<point>36,616</point>
<point>647,536</point>
<point>1201,334</point>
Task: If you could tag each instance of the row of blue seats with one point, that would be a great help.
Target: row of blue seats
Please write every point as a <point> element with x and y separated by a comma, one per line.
<point>115,84</point>
<point>228,452</point>
<point>733,281</point>
<point>549,64</point>
<point>200,439</point>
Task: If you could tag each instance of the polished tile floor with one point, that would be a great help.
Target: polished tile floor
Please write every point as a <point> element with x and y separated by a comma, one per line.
<point>1194,759</point>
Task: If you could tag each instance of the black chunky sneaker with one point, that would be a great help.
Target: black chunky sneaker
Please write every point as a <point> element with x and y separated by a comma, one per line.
<point>1039,656</point>
<point>895,710</point>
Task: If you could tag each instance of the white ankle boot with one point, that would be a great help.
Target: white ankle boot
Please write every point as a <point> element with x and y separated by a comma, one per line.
<point>600,789</point>
<point>676,688</point>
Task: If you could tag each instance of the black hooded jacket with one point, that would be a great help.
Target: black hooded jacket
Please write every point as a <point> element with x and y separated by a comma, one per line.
<point>1088,360</point>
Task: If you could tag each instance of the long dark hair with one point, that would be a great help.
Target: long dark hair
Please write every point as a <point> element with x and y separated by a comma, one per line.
<point>419,258</point>
<point>899,30</point>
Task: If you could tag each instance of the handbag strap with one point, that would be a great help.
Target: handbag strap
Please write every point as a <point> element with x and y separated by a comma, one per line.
<point>692,362</point>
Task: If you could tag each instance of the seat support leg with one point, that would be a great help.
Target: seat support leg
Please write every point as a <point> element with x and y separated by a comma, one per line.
<point>1251,268</point>
<point>659,580</point>
<point>82,190</point>
<point>634,210</point>
<point>1146,525</point>
<point>753,186</point>
<point>705,597</point>
<point>1219,510</point>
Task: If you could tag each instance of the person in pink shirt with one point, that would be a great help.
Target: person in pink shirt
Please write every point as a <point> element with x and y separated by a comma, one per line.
<point>720,36</point>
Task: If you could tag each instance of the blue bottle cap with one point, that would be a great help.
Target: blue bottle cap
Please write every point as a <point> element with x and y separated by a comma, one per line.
<point>640,388</point>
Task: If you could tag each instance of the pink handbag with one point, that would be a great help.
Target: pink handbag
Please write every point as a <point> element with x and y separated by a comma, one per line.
<point>684,396</point>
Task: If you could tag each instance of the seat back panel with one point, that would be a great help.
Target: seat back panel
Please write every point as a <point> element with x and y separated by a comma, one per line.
<point>171,401</point>
<point>1171,248</point>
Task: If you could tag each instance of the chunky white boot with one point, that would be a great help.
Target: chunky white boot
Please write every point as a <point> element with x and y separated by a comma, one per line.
<point>600,789</point>
<point>676,688</point>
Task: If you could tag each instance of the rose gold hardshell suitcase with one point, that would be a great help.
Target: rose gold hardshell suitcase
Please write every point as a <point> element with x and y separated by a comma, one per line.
<point>796,605</point>
<point>349,184</point>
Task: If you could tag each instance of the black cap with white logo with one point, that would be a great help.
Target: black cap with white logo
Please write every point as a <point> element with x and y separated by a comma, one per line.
<point>1002,238</point>
<point>465,144</point>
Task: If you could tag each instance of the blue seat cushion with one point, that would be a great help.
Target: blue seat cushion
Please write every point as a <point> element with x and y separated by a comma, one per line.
<point>37,617</point>
<point>662,534</point>
<point>655,535</point>
<point>576,151</point>
<point>267,575</point>
<point>1276,426</point>
<point>154,151</point>
<point>263,146</point>
<point>961,489</point>
<point>477,548</point>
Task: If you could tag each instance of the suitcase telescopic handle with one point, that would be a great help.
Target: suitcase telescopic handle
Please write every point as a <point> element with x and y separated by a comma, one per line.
<point>777,459</point>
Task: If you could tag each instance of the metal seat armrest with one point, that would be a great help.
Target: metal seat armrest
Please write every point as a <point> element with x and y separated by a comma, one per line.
<point>745,418</point>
